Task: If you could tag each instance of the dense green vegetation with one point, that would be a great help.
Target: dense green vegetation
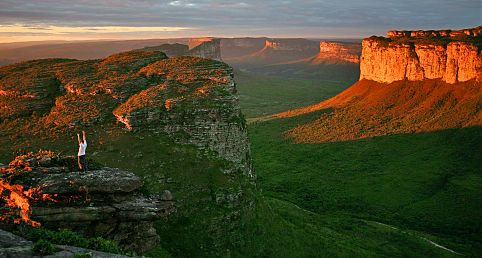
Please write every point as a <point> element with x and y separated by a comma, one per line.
<point>44,240</point>
<point>424,186</point>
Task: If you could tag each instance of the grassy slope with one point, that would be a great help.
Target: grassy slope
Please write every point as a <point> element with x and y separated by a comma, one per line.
<point>421,183</point>
<point>263,95</point>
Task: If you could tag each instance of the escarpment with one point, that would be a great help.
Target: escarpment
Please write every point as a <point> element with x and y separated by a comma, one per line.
<point>451,56</point>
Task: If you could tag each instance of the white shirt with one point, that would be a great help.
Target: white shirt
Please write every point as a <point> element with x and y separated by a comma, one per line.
<point>82,147</point>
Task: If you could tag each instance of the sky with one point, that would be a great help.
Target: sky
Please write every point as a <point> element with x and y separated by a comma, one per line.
<point>31,20</point>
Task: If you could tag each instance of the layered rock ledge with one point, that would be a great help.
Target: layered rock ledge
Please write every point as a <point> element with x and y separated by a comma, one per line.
<point>449,56</point>
<point>45,190</point>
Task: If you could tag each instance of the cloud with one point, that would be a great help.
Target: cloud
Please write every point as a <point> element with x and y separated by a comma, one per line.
<point>18,28</point>
<point>182,3</point>
<point>307,18</point>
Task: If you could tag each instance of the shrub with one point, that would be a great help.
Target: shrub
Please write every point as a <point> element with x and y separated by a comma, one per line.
<point>43,247</point>
<point>67,237</point>
<point>82,255</point>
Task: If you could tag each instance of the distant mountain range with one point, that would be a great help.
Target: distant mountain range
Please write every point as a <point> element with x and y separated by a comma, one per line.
<point>279,57</point>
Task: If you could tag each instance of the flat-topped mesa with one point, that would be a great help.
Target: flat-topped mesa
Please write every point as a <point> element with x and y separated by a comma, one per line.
<point>336,52</point>
<point>418,57</point>
<point>291,45</point>
<point>205,47</point>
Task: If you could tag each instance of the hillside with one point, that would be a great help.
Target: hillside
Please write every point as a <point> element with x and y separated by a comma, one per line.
<point>175,122</point>
<point>369,109</point>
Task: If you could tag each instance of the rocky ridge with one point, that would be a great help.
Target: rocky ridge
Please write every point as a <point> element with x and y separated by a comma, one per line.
<point>451,56</point>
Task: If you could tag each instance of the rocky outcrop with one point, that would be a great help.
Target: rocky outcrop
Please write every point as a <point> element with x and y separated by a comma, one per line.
<point>205,47</point>
<point>14,246</point>
<point>338,52</point>
<point>413,56</point>
<point>193,107</point>
<point>101,202</point>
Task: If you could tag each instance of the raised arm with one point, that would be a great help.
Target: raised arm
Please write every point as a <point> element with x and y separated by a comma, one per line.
<point>83,136</point>
<point>78,138</point>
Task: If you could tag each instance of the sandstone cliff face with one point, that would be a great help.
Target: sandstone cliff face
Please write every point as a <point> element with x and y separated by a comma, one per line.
<point>338,52</point>
<point>385,60</point>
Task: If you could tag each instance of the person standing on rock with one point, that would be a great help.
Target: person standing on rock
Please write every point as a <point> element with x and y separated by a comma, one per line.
<point>81,153</point>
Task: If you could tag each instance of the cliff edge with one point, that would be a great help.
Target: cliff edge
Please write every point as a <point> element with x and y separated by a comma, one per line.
<point>451,56</point>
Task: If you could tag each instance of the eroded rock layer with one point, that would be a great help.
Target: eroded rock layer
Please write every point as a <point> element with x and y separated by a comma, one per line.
<point>415,56</point>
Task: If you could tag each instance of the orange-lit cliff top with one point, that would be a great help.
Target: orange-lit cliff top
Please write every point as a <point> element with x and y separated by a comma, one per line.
<point>473,35</point>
